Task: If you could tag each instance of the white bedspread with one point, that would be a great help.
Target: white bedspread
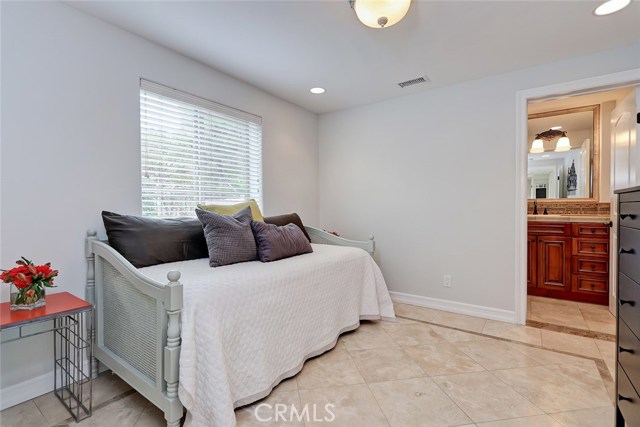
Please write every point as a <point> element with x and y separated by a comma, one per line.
<point>245,327</point>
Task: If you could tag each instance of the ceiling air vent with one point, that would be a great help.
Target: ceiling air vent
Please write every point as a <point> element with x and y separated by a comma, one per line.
<point>416,81</point>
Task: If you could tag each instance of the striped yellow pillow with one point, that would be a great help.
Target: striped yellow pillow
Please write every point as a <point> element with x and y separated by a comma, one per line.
<point>229,210</point>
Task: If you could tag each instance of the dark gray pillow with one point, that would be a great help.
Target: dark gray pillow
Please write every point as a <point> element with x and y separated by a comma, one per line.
<point>149,241</point>
<point>292,218</point>
<point>229,238</point>
<point>275,242</point>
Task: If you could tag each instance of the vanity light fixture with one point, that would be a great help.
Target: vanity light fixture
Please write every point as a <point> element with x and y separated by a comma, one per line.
<point>380,13</point>
<point>538,146</point>
<point>611,6</point>
<point>317,90</point>
<point>563,143</point>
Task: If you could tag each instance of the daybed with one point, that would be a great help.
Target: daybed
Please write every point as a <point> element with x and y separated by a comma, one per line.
<point>241,330</point>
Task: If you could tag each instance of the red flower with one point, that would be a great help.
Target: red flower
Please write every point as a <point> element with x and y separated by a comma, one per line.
<point>22,281</point>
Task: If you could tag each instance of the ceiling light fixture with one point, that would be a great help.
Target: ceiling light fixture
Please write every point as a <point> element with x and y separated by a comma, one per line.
<point>380,13</point>
<point>556,127</point>
<point>611,6</point>
<point>317,90</point>
<point>563,143</point>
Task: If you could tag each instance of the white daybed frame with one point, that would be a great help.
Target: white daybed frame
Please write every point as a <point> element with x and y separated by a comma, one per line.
<point>136,325</point>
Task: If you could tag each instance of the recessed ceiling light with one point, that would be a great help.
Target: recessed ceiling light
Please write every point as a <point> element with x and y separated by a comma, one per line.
<point>556,128</point>
<point>317,90</point>
<point>611,6</point>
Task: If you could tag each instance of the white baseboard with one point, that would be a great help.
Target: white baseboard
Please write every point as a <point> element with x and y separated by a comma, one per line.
<point>26,390</point>
<point>456,307</point>
<point>30,389</point>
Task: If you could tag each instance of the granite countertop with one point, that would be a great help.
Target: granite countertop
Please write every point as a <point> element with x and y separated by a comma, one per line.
<point>569,218</point>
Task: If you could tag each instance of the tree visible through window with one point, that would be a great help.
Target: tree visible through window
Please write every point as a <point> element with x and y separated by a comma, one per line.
<point>195,151</point>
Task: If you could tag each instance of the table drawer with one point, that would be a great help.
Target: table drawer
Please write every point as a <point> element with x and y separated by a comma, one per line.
<point>629,253</point>
<point>598,284</point>
<point>549,229</point>
<point>584,246</point>
<point>630,214</point>
<point>590,230</point>
<point>589,265</point>
<point>628,399</point>
<point>629,353</point>
<point>629,303</point>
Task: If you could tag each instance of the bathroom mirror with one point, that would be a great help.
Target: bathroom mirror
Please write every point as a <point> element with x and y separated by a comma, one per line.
<point>564,153</point>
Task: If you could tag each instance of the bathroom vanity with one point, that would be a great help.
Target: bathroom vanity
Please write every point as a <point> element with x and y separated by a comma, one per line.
<point>568,257</point>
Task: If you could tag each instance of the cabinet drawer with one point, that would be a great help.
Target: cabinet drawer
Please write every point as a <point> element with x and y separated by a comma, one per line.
<point>630,214</point>
<point>584,246</point>
<point>590,284</point>
<point>629,241</point>
<point>628,399</point>
<point>629,353</point>
<point>590,230</point>
<point>582,265</point>
<point>549,228</point>
<point>629,303</point>
<point>630,196</point>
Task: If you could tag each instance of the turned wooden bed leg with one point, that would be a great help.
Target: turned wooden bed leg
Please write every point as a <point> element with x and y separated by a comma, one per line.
<point>174,410</point>
<point>90,295</point>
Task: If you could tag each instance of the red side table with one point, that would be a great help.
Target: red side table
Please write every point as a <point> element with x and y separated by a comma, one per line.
<point>72,346</point>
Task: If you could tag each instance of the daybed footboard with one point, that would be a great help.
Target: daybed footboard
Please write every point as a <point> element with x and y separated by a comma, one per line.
<point>136,326</point>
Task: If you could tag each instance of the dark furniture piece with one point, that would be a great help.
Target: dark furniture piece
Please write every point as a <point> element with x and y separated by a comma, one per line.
<point>628,344</point>
<point>568,261</point>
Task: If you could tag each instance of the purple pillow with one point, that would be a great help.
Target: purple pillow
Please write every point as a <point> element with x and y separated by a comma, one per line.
<point>275,242</point>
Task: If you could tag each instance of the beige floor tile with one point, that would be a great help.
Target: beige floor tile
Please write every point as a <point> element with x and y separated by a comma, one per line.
<point>415,312</point>
<point>368,335</point>
<point>288,385</point>
<point>122,413</point>
<point>468,323</point>
<point>593,417</point>
<point>263,413</point>
<point>333,368</point>
<point>51,408</point>
<point>494,354</point>
<point>570,343</point>
<point>23,415</point>
<point>593,307</point>
<point>151,417</point>
<point>558,314</point>
<point>514,332</point>
<point>412,333</point>
<point>484,397</point>
<point>584,374</point>
<point>417,402</point>
<point>608,352</point>
<point>600,321</point>
<point>545,357</point>
<point>353,406</point>
<point>107,386</point>
<point>453,335</point>
<point>549,391</point>
<point>537,421</point>
<point>442,358</point>
<point>385,364</point>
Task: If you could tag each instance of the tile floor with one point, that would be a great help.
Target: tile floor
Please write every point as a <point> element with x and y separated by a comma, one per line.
<point>439,369</point>
<point>577,315</point>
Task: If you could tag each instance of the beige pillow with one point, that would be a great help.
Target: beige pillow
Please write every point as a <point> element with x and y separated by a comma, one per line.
<point>229,210</point>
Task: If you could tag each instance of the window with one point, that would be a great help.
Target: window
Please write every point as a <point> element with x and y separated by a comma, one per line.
<point>195,151</point>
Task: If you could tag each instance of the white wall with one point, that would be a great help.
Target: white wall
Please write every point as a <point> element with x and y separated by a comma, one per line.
<point>70,143</point>
<point>432,175</point>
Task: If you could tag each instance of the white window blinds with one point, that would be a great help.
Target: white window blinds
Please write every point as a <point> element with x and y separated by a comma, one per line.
<point>195,151</point>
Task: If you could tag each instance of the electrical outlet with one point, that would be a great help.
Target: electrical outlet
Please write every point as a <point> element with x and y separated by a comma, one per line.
<point>446,281</point>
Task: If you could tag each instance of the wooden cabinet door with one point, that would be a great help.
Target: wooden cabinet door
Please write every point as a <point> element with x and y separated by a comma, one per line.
<point>532,261</point>
<point>554,259</point>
